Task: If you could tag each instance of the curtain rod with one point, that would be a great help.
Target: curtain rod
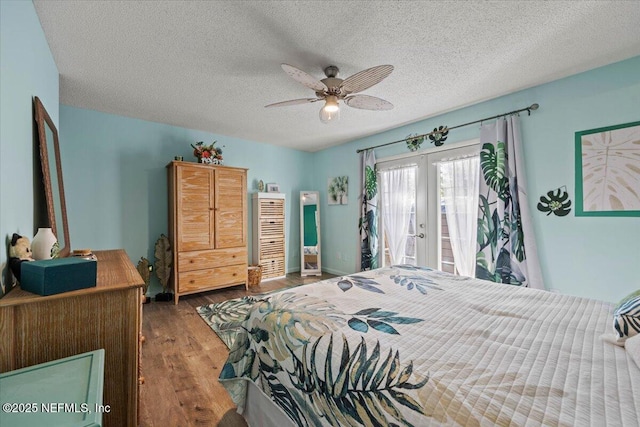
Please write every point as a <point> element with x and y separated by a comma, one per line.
<point>446,129</point>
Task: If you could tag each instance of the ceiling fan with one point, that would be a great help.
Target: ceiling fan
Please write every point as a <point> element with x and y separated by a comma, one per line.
<point>333,89</point>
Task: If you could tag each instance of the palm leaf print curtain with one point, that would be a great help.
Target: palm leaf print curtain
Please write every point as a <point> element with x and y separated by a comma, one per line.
<point>506,243</point>
<point>368,212</point>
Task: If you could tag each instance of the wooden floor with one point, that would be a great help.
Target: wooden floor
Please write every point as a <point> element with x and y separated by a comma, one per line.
<point>182,358</point>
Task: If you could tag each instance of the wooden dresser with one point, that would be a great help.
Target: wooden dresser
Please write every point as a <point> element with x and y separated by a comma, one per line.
<point>36,329</point>
<point>207,227</point>
<point>268,234</point>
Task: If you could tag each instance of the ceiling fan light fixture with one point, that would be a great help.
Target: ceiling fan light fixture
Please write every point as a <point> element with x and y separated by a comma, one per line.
<point>333,89</point>
<point>331,110</point>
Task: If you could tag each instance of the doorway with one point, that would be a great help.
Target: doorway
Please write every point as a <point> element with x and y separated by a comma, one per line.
<point>427,207</point>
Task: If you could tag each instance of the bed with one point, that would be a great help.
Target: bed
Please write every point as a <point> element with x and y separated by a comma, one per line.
<point>413,346</point>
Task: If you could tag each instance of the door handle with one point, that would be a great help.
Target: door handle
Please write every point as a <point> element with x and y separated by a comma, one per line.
<point>421,235</point>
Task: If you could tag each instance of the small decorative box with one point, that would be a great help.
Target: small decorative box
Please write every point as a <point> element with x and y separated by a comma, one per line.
<point>54,276</point>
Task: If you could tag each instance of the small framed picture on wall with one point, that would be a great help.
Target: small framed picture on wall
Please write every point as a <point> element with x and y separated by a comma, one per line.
<point>337,190</point>
<point>273,188</point>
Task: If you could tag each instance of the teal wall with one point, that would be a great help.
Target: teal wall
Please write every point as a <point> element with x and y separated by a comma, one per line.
<point>116,178</point>
<point>27,69</point>
<point>591,257</point>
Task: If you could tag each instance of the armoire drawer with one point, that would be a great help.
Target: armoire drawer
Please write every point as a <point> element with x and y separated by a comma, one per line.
<point>272,267</point>
<point>198,260</point>
<point>273,227</point>
<point>271,248</point>
<point>211,278</point>
<point>272,208</point>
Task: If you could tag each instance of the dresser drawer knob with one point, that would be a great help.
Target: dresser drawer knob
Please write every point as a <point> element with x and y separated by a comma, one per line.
<point>192,281</point>
<point>190,261</point>
<point>233,256</point>
<point>235,274</point>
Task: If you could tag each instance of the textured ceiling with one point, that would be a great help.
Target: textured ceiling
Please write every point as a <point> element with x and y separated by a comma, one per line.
<point>213,66</point>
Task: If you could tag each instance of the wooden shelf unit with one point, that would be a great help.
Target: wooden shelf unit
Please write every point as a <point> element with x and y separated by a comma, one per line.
<point>207,227</point>
<point>36,329</point>
<point>269,234</point>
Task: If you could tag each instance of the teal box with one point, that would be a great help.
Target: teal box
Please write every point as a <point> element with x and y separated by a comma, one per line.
<point>54,276</point>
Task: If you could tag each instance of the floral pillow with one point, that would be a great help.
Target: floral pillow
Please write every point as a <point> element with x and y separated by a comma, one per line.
<point>626,317</point>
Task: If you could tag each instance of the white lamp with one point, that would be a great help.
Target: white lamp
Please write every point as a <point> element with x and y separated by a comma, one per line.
<point>331,110</point>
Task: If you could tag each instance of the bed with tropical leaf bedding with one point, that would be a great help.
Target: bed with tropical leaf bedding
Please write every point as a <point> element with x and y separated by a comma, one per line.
<point>413,346</point>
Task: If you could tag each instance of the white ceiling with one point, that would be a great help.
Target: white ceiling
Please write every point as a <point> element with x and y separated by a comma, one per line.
<point>213,66</point>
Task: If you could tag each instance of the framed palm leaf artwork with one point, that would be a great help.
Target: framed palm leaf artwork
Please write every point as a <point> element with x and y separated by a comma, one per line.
<point>608,171</point>
<point>337,190</point>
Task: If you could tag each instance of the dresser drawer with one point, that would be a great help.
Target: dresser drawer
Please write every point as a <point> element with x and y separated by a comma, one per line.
<point>272,267</point>
<point>271,208</point>
<point>211,278</point>
<point>273,227</point>
<point>198,260</point>
<point>271,248</point>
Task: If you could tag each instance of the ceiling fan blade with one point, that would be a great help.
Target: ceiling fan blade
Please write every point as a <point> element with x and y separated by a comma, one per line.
<point>366,78</point>
<point>366,102</point>
<point>304,78</point>
<point>293,102</point>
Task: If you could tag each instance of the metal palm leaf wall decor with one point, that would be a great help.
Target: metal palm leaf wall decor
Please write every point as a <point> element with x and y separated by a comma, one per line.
<point>439,135</point>
<point>556,202</point>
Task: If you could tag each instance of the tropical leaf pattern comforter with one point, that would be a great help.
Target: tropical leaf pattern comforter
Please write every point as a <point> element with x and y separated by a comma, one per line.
<point>411,346</point>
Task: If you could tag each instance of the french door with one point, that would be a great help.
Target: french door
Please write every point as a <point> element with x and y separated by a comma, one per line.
<point>412,210</point>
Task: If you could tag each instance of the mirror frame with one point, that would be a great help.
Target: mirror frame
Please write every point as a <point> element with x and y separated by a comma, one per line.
<point>309,271</point>
<point>42,119</point>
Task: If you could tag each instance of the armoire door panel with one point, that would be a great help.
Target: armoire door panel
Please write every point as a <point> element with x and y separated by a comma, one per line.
<point>230,208</point>
<point>227,224</point>
<point>194,182</point>
<point>194,186</point>
<point>194,231</point>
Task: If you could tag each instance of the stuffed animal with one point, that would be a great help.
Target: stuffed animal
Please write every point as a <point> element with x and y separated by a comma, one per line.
<point>19,252</point>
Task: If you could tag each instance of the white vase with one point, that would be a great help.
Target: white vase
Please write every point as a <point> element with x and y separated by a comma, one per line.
<point>43,242</point>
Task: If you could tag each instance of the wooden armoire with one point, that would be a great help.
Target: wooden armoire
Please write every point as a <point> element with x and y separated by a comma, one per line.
<point>207,227</point>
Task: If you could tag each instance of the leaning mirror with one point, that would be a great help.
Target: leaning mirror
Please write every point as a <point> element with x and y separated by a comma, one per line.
<point>52,177</point>
<point>310,233</point>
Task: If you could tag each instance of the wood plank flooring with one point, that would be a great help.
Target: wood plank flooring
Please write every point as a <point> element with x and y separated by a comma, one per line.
<point>182,358</point>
